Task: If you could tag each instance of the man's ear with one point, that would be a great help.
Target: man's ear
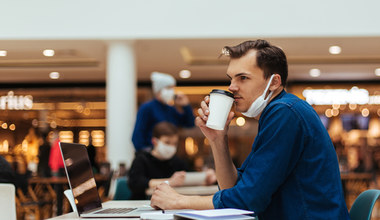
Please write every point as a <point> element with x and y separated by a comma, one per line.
<point>276,82</point>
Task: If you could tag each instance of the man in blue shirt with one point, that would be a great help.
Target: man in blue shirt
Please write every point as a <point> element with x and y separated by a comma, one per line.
<point>292,171</point>
<point>166,106</point>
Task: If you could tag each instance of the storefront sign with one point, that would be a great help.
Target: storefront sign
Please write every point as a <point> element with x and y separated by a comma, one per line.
<point>339,96</point>
<point>12,102</point>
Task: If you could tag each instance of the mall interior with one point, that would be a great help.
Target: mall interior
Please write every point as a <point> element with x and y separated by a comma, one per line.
<point>81,69</point>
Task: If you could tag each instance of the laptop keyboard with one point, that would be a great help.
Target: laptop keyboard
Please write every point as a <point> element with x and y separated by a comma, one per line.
<point>115,210</point>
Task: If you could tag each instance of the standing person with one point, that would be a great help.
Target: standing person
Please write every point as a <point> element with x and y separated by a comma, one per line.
<point>159,109</point>
<point>43,156</point>
<point>292,170</point>
<point>91,150</point>
<point>57,169</point>
<point>160,164</point>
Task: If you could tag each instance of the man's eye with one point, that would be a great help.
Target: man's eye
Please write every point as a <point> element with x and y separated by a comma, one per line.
<point>243,77</point>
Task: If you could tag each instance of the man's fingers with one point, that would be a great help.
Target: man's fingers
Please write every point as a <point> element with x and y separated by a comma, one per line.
<point>204,107</point>
<point>207,99</point>
<point>201,114</point>
<point>199,122</point>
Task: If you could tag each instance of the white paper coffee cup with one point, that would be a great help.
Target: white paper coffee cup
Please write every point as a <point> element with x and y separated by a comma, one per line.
<point>220,105</point>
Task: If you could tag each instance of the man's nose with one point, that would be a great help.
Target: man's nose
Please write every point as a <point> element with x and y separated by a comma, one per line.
<point>232,87</point>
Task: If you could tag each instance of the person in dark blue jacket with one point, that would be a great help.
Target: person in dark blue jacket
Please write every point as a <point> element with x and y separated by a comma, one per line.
<point>166,106</point>
<point>292,171</point>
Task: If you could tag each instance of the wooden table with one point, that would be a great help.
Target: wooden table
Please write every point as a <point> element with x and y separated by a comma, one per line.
<point>109,204</point>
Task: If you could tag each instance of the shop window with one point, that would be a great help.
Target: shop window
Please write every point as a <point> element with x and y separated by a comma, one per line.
<point>354,121</point>
<point>66,136</point>
<point>84,137</point>
<point>97,138</point>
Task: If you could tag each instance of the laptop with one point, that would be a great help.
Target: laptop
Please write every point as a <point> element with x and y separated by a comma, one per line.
<point>83,186</point>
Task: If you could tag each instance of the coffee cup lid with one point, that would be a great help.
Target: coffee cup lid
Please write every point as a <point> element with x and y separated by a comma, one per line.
<point>224,92</point>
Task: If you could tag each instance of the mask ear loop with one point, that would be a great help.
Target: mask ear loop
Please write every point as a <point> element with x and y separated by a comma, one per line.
<point>266,89</point>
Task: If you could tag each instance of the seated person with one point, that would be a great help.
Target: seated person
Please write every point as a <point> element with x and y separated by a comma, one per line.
<point>158,165</point>
<point>8,175</point>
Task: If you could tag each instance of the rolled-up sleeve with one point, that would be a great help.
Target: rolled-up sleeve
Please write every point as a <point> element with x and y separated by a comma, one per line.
<point>216,199</point>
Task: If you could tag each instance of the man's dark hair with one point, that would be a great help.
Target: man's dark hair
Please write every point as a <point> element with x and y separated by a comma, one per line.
<point>269,58</point>
<point>164,129</point>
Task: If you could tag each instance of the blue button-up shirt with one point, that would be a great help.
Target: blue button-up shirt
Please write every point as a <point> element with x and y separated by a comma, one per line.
<point>292,171</point>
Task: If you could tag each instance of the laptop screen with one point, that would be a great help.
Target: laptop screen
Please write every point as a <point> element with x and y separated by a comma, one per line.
<point>81,179</point>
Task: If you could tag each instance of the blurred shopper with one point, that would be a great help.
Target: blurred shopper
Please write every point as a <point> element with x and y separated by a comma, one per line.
<point>8,175</point>
<point>160,164</point>
<point>292,171</point>
<point>43,156</point>
<point>91,150</point>
<point>161,109</point>
<point>57,169</point>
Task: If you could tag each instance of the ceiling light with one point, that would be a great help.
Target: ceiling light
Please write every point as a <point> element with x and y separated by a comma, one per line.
<point>315,72</point>
<point>377,72</point>
<point>48,52</point>
<point>184,74</point>
<point>12,127</point>
<point>3,53</point>
<point>365,112</point>
<point>54,75</point>
<point>335,50</point>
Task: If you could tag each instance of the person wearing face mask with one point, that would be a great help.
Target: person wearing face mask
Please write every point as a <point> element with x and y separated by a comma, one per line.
<point>292,171</point>
<point>160,164</point>
<point>166,106</point>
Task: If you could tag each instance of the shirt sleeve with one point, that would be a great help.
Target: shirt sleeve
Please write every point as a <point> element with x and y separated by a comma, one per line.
<point>140,136</point>
<point>186,119</point>
<point>276,150</point>
<point>138,181</point>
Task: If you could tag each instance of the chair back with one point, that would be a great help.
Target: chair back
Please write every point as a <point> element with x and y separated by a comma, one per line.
<point>7,201</point>
<point>69,195</point>
<point>122,191</point>
<point>363,205</point>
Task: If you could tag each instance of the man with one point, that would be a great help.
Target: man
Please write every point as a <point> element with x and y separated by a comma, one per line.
<point>292,171</point>
<point>160,164</point>
<point>161,109</point>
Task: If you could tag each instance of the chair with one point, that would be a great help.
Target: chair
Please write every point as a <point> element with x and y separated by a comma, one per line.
<point>363,205</point>
<point>7,201</point>
<point>69,195</point>
<point>122,191</point>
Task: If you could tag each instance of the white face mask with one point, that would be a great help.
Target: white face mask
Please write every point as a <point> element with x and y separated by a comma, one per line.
<point>260,103</point>
<point>166,151</point>
<point>167,94</point>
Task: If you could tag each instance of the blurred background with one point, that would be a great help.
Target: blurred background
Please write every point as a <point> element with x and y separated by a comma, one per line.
<point>83,68</point>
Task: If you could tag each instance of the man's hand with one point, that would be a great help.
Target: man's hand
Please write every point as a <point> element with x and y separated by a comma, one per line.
<point>203,112</point>
<point>165,197</point>
<point>177,179</point>
<point>210,176</point>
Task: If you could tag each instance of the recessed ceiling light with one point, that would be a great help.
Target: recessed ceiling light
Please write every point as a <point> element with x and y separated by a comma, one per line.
<point>184,74</point>
<point>48,52</point>
<point>377,72</point>
<point>3,53</point>
<point>315,72</point>
<point>54,75</point>
<point>335,50</point>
